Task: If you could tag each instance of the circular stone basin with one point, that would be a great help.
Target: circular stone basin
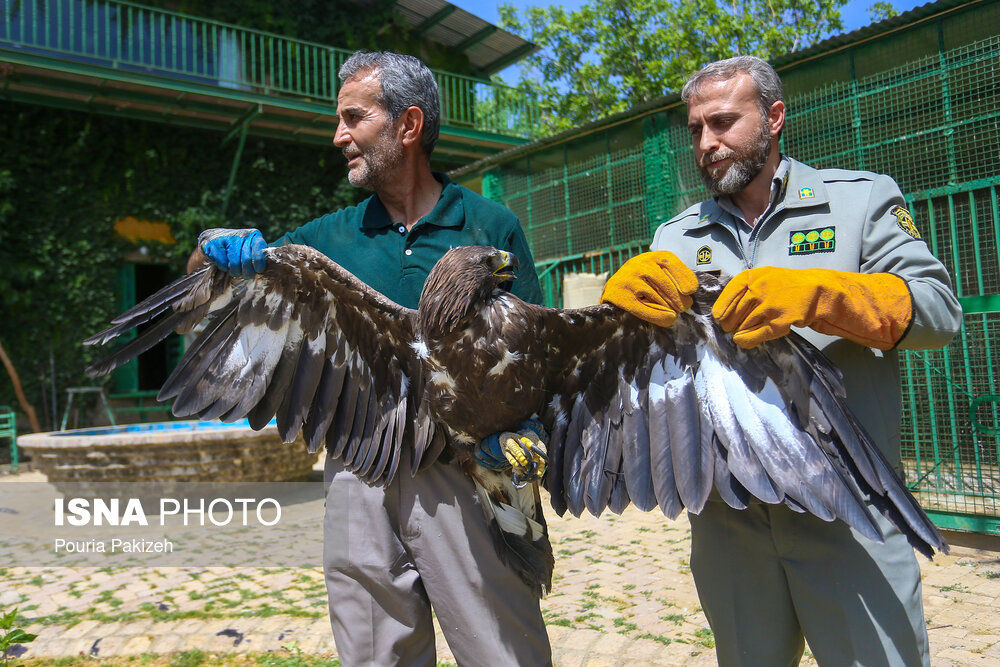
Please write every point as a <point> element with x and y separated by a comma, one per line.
<point>188,451</point>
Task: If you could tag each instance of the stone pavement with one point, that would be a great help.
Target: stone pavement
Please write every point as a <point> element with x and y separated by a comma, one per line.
<point>623,595</point>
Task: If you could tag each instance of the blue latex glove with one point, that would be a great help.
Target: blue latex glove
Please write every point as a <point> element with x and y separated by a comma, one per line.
<point>238,251</point>
<point>490,452</point>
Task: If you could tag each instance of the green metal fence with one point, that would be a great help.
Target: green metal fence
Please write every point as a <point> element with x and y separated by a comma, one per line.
<point>127,36</point>
<point>933,123</point>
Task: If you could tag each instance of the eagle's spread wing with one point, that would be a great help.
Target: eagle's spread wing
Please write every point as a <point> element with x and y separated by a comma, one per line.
<point>636,413</point>
<point>304,341</point>
<point>660,417</point>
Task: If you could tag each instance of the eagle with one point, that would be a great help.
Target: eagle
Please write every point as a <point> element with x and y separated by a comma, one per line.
<point>636,414</point>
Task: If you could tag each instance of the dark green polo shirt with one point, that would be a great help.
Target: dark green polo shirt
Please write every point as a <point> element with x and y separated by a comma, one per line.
<point>394,261</point>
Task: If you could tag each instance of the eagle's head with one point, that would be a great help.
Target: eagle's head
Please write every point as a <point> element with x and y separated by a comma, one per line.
<point>460,283</point>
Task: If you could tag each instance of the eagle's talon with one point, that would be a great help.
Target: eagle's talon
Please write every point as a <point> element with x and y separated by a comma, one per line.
<point>527,459</point>
<point>539,452</point>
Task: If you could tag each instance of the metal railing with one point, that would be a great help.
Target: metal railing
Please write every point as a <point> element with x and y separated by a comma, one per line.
<point>127,36</point>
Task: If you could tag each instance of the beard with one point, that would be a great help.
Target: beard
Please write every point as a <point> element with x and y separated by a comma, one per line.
<point>378,162</point>
<point>747,162</point>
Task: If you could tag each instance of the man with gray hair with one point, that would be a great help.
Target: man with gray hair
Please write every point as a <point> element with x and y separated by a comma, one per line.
<point>391,554</point>
<point>835,254</point>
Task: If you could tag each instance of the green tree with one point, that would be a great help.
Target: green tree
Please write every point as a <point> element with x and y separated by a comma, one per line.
<point>610,55</point>
<point>881,11</point>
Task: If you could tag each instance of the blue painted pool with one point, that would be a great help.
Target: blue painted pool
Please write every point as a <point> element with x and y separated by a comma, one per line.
<point>160,427</point>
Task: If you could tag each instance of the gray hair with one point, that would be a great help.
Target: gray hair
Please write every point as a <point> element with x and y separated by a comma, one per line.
<point>764,77</point>
<point>405,82</point>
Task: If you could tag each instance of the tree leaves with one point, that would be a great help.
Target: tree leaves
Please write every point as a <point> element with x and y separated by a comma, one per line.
<point>610,55</point>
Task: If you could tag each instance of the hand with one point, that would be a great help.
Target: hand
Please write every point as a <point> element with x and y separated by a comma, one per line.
<point>654,286</point>
<point>523,451</point>
<point>238,251</point>
<point>761,304</point>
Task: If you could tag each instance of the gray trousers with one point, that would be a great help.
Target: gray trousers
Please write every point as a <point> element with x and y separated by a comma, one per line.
<point>392,554</point>
<point>767,576</point>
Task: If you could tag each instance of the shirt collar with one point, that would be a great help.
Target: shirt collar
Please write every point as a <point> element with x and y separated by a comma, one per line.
<point>795,184</point>
<point>806,187</point>
<point>778,186</point>
<point>447,212</point>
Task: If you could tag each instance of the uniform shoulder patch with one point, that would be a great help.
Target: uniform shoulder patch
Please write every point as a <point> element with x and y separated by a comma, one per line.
<point>905,221</point>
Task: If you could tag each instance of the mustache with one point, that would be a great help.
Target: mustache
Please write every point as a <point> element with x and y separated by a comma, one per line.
<point>715,157</point>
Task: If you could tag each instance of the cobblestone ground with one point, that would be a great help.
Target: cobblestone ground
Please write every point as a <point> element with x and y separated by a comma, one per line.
<point>623,595</point>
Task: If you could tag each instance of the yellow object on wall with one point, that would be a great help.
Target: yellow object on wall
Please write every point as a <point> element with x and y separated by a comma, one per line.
<point>144,230</point>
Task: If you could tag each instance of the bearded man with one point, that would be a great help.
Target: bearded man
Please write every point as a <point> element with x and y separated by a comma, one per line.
<point>834,254</point>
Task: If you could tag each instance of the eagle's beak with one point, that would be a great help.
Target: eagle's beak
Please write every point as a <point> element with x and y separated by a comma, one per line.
<point>508,267</point>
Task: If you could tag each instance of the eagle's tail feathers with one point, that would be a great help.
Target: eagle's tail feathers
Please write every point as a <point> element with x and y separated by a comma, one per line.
<point>518,528</point>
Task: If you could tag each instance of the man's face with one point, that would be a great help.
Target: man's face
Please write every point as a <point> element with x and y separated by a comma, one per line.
<point>366,134</point>
<point>732,139</point>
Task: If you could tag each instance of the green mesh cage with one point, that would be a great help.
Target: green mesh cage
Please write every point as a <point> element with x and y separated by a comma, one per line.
<point>922,105</point>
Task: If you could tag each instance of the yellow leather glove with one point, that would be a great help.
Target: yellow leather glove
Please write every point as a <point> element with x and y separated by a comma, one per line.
<point>654,286</point>
<point>761,304</point>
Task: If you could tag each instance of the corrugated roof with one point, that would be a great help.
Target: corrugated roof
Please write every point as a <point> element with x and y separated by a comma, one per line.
<point>829,45</point>
<point>488,47</point>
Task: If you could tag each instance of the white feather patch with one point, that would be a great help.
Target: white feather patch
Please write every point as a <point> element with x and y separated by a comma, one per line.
<point>420,348</point>
<point>442,379</point>
<point>508,358</point>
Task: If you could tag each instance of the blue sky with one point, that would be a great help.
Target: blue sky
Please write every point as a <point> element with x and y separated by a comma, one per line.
<point>854,13</point>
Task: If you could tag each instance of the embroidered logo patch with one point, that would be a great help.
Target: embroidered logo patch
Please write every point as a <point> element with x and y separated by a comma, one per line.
<point>704,255</point>
<point>905,221</point>
<point>808,241</point>
<point>806,193</point>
